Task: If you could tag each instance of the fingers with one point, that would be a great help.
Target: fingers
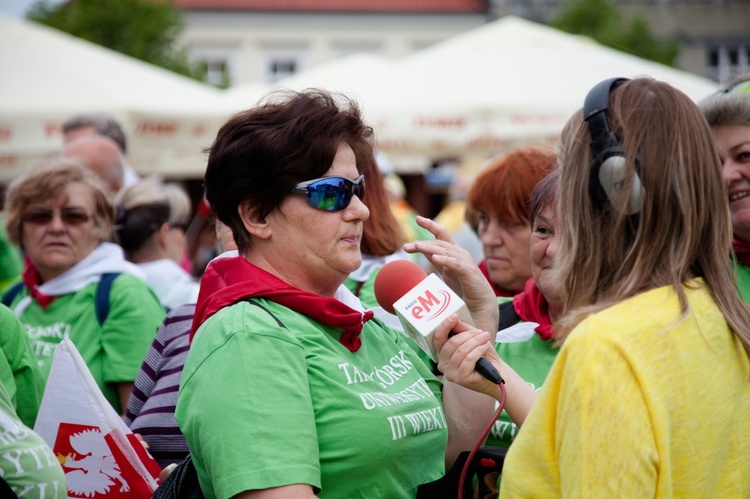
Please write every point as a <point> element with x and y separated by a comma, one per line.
<point>441,253</point>
<point>166,471</point>
<point>440,336</point>
<point>458,353</point>
<point>140,438</point>
<point>440,232</point>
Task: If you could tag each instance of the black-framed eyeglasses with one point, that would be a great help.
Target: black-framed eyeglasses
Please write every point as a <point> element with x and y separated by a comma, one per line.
<point>43,216</point>
<point>331,193</point>
<point>741,87</point>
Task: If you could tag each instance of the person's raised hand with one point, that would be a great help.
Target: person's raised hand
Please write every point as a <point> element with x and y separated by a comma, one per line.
<point>459,271</point>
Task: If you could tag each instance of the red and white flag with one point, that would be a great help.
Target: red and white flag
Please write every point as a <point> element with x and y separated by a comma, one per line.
<point>99,454</point>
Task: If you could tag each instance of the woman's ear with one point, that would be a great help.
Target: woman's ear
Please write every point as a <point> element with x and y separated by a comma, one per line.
<point>256,225</point>
<point>163,235</point>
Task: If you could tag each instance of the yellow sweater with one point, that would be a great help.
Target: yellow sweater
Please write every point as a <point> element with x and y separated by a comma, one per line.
<point>640,404</point>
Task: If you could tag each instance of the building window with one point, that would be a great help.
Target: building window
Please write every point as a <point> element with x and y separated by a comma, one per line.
<point>217,73</point>
<point>724,62</point>
<point>218,63</point>
<point>281,68</point>
<point>280,62</point>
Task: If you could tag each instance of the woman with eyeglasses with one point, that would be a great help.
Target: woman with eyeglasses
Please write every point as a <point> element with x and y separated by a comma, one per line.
<point>61,216</point>
<point>287,392</point>
<point>728,113</point>
<point>151,221</point>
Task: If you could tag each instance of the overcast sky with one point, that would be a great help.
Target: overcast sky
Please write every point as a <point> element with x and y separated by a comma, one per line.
<point>17,8</point>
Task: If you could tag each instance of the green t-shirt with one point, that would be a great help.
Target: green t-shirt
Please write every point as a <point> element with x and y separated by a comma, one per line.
<point>365,291</point>
<point>532,360</point>
<point>113,352</point>
<point>11,263</point>
<point>27,464</point>
<point>264,405</point>
<point>19,372</point>
<point>742,276</point>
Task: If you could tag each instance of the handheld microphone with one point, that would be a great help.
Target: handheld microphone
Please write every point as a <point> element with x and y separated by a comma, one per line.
<point>421,303</point>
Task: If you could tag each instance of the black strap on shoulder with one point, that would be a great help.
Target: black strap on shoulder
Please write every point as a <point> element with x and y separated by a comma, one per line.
<point>253,302</point>
<point>101,300</point>
<point>12,293</point>
<point>508,315</point>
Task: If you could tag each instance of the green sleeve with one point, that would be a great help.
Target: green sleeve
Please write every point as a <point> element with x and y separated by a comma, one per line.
<point>240,377</point>
<point>742,276</point>
<point>11,263</point>
<point>19,372</point>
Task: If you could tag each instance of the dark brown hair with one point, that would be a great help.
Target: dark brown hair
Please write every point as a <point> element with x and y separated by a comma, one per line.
<point>381,235</point>
<point>261,153</point>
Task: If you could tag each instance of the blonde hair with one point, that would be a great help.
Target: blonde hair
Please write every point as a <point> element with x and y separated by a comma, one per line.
<point>153,191</point>
<point>144,207</point>
<point>684,229</point>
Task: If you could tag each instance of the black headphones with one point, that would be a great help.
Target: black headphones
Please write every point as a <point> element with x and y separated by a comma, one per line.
<point>609,166</point>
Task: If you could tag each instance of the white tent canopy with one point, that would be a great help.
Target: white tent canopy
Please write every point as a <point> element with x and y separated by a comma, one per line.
<point>505,83</point>
<point>50,76</point>
<point>351,75</point>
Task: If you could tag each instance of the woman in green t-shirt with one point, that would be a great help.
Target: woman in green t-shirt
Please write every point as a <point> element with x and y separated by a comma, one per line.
<point>728,113</point>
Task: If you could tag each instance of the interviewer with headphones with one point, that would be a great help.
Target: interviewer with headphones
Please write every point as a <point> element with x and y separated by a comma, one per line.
<point>650,393</point>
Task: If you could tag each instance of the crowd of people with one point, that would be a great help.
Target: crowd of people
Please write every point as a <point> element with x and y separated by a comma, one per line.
<point>612,298</point>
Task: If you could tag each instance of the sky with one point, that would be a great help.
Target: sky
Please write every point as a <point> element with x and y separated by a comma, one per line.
<point>15,8</point>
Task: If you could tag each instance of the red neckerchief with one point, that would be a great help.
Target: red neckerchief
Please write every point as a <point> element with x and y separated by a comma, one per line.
<point>229,280</point>
<point>531,306</point>
<point>32,280</point>
<point>742,250</point>
<point>498,291</point>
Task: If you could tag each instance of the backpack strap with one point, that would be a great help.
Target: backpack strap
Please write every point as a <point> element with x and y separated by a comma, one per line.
<point>508,315</point>
<point>101,299</point>
<point>12,293</point>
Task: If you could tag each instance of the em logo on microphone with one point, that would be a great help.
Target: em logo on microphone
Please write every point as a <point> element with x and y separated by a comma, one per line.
<point>428,306</point>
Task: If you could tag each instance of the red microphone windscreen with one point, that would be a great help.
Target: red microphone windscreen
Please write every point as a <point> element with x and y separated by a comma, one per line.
<point>394,280</point>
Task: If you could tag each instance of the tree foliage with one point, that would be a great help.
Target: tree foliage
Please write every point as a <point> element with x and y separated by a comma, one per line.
<point>603,21</point>
<point>144,29</point>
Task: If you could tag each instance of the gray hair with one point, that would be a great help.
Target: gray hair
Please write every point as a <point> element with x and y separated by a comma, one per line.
<point>103,124</point>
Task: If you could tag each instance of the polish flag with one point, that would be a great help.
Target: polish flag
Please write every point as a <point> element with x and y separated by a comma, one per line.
<point>99,454</point>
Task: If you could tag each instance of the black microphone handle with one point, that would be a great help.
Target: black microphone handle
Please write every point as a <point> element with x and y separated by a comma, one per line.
<point>486,369</point>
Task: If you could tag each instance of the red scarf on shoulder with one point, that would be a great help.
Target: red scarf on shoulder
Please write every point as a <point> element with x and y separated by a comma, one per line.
<point>32,280</point>
<point>531,306</point>
<point>229,280</point>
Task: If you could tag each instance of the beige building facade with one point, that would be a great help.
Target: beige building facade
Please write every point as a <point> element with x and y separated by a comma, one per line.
<point>256,41</point>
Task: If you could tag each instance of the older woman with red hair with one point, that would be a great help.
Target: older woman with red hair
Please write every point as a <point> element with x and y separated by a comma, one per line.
<point>500,197</point>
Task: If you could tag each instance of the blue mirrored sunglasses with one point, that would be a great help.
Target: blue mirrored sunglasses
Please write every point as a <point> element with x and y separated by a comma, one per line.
<point>741,87</point>
<point>331,193</point>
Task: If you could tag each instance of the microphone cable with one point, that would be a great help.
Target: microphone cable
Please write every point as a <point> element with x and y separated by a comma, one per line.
<point>481,439</point>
